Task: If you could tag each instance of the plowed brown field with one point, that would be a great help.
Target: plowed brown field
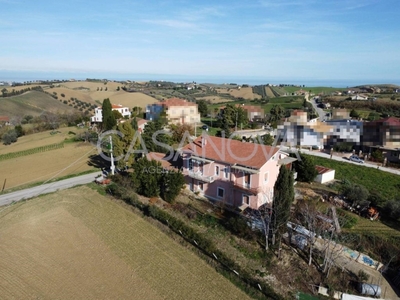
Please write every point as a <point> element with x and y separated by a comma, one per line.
<point>77,244</point>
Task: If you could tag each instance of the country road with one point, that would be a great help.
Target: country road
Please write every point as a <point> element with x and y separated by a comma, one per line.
<point>321,113</point>
<point>343,158</point>
<point>47,188</point>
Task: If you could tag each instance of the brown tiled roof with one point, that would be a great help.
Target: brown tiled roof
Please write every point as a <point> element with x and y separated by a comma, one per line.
<point>236,152</point>
<point>298,112</point>
<point>176,102</point>
<point>391,121</point>
<point>322,170</point>
<point>141,122</point>
<point>4,119</point>
<point>160,157</point>
<point>114,106</point>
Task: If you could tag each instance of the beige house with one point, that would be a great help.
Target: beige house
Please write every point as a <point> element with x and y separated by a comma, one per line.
<point>178,111</point>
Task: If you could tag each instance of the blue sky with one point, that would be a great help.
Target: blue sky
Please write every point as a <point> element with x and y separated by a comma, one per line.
<point>289,39</point>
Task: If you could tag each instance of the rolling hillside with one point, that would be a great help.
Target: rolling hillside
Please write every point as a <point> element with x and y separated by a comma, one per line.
<point>88,92</point>
<point>31,103</point>
<point>35,103</point>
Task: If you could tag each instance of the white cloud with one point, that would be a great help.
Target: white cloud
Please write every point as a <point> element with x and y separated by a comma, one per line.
<point>171,23</point>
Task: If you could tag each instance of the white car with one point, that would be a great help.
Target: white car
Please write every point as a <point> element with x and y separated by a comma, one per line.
<point>356,159</point>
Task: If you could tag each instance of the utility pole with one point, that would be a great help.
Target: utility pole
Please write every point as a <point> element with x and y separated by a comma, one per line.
<point>112,158</point>
<point>4,185</point>
<point>236,120</point>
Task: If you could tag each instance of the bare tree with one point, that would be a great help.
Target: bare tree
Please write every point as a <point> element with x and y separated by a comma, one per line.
<point>332,246</point>
<point>307,215</point>
<point>261,218</point>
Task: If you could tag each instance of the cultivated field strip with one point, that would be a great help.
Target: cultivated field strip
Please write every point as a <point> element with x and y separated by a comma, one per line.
<point>42,166</point>
<point>159,260</point>
<point>31,151</point>
<point>77,244</point>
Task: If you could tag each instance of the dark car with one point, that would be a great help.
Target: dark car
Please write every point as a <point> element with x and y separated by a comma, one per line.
<point>204,127</point>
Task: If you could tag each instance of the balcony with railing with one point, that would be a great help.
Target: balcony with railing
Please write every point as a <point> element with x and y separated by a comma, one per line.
<point>199,176</point>
<point>246,187</point>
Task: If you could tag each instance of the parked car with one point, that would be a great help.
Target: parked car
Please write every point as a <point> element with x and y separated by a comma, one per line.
<point>356,159</point>
<point>204,127</point>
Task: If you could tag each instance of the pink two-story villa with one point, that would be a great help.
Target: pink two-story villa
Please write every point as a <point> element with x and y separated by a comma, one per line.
<point>239,174</point>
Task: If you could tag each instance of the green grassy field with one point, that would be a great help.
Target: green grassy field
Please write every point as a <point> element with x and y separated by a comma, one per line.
<point>377,228</point>
<point>291,102</point>
<point>31,103</point>
<point>383,183</point>
<point>314,90</point>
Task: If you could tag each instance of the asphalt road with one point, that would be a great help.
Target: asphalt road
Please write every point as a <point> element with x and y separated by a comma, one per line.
<point>321,113</point>
<point>46,188</point>
<point>343,158</point>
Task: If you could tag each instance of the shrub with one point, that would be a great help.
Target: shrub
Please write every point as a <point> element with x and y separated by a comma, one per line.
<point>9,137</point>
<point>239,227</point>
<point>19,130</point>
<point>363,276</point>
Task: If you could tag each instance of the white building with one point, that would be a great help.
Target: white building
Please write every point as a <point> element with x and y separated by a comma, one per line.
<point>324,175</point>
<point>98,116</point>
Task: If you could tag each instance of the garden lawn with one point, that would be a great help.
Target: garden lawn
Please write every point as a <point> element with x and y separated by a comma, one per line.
<point>385,184</point>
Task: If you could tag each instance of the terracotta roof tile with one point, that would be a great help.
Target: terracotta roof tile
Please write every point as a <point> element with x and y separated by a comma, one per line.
<point>236,152</point>
<point>322,170</point>
<point>160,157</point>
<point>142,121</point>
<point>391,121</point>
<point>176,102</point>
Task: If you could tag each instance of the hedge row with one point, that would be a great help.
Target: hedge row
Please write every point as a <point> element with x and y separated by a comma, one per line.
<point>221,262</point>
<point>31,151</point>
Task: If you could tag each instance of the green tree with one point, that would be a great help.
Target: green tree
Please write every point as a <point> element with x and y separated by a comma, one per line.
<point>163,119</point>
<point>372,116</point>
<point>117,115</point>
<point>147,136</point>
<point>19,130</point>
<point>354,114</point>
<point>178,131</point>
<point>305,103</point>
<point>377,155</point>
<point>118,88</point>
<point>134,124</point>
<point>266,139</point>
<point>146,177</point>
<point>283,199</point>
<point>109,121</point>
<point>231,117</point>
<point>122,146</point>
<point>305,168</point>
<point>356,193</point>
<point>172,182</point>
<point>151,180</point>
<point>4,92</point>
<point>136,111</point>
<point>277,112</point>
<point>202,107</point>
<point>9,137</point>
